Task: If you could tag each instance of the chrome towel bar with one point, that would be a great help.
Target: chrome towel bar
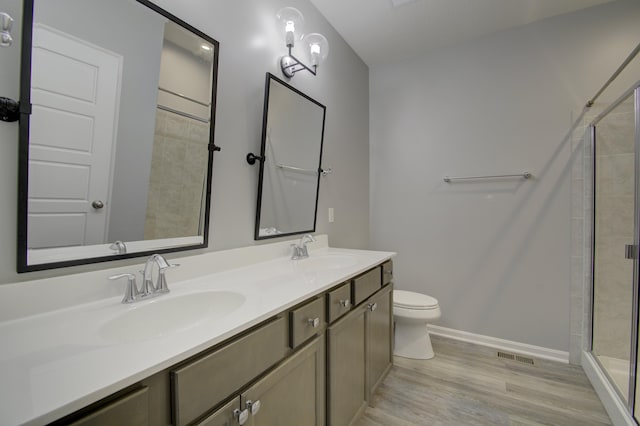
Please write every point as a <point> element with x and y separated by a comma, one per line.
<point>324,172</point>
<point>524,175</point>
<point>296,169</point>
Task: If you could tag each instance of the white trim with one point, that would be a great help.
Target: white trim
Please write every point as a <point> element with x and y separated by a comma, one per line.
<point>616,408</point>
<point>494,342</point>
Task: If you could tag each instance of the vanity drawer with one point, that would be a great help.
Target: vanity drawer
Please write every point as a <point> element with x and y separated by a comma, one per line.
<point>365,285</point>
<point>204,383</point>
<point>306,321</point>
<point>338,302</point>
<point>131,409</point>
<point>387,272</point>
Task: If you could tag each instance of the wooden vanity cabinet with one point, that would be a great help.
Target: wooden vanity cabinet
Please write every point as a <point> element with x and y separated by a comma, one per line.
<point>132,409</point>
<point>346,375</point>
<point>306,321</point>
<point>379,333</point>
<point>338,302</point>
<point>359,348</point>
<point>293,369</point>
<point>225,416</point>
<point>294,393</point>
<point>199,385</point>
<point>290,395</point>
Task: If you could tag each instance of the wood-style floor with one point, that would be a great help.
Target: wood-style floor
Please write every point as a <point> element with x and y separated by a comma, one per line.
<point>467,384</point>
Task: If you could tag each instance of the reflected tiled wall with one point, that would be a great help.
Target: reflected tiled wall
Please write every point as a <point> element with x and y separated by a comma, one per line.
<point>178,170</point>
<point>614,224</point>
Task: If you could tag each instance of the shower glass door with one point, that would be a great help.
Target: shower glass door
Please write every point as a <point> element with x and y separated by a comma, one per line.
<point>615,245</point>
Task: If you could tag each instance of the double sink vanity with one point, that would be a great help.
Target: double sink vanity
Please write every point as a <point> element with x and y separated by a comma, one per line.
<point>262,340</point>
<point>245,336</point>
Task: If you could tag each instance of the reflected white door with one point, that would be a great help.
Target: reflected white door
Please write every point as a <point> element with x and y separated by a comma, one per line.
<point>75,93</point>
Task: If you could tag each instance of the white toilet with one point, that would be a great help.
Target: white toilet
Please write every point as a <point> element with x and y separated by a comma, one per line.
<point>412,311</point>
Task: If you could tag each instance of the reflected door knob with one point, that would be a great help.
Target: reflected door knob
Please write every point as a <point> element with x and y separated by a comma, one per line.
<point>97,204</point>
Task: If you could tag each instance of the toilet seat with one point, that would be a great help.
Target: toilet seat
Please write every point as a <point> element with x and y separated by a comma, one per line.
<point>415,301</point>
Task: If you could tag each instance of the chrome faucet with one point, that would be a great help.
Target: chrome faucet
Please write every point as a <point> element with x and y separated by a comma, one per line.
<point>300,250</point>
<point>148,288</point>
<point>119,247</point>
<point>132,293</point>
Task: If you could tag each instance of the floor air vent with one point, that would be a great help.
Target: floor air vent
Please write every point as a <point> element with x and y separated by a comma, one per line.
<point>514,357</point>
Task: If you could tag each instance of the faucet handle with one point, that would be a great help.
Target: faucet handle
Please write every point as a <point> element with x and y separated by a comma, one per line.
<point>131,293</point>
<point>162,286</point>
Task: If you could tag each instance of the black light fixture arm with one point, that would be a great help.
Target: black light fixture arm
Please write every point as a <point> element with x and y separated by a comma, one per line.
<point>290,62</point>
<point>252,158</point>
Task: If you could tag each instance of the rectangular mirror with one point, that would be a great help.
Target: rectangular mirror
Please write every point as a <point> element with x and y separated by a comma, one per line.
<point>116,149</point>
<point>292,137</point>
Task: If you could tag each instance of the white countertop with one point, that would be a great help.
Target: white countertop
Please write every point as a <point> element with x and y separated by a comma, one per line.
<point>53,363</point>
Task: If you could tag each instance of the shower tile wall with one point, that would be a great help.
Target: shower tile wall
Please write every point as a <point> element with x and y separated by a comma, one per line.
<point>615,222</point>
<point>176,187</point>
<point>582,230</point>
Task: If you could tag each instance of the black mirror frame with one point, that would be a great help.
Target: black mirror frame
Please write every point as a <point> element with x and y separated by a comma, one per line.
<point>23,150</point>
<point>265,115</point>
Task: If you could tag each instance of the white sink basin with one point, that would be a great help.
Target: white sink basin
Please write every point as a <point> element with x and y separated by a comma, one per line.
<point>168,314</point>
<point>325,262</point>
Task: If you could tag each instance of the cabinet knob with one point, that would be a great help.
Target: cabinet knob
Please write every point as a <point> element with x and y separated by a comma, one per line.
<point>314,322</point>
<point>345,303</point>
<point>254,406</point>
<point>372,306</point>
<point>97,204</point>
<point>241,416</point>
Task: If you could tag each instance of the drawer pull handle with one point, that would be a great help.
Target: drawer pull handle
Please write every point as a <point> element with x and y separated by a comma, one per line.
<point>372,306</point>
<point>254,406</point>
<point>241,416</point>
<point>314,322</point>
<point>345,303</point>
<point>389,272</point>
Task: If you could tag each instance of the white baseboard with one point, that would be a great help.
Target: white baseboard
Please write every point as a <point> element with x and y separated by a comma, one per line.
<point>616,408</point>
<point>506,345</point>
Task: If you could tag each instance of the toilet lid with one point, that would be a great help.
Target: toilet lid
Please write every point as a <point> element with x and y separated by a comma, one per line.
<point>412,300</point>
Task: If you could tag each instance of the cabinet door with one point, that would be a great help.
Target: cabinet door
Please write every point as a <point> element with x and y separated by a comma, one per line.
<point>202,384</point>
<point>379,326</point>
<point>293,394</point>
<point>346,376</point>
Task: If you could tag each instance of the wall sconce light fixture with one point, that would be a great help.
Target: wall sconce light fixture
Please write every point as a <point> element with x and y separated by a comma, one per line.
<point>291,21</point>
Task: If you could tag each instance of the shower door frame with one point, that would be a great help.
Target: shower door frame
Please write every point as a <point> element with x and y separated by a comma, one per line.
<point>633,360</point>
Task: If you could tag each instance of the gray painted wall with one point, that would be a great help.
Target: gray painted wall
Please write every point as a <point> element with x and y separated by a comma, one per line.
<point>249,47</point>
<point>497,255</point>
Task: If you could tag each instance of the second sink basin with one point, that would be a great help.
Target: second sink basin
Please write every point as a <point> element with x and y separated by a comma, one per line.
<point>167,314</point>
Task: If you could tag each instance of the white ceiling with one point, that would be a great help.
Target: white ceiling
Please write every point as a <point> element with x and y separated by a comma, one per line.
<point>380,32</point>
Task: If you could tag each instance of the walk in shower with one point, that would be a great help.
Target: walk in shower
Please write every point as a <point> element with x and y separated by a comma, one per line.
<point>616,226</point>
